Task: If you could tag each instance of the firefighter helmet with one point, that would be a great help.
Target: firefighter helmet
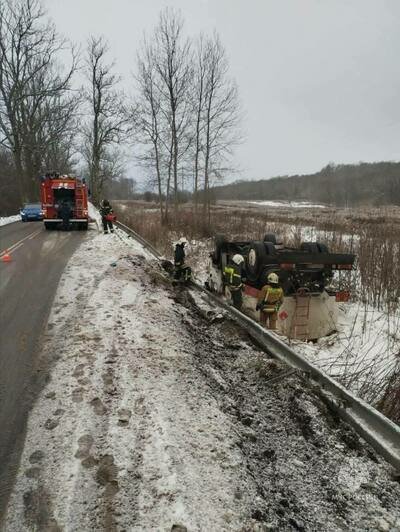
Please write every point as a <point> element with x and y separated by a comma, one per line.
<point>238,259</point>
<point>273,278</point>
<point>182,240</point>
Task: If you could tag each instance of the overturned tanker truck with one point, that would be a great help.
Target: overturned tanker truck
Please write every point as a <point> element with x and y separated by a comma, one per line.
<point>310,276</point>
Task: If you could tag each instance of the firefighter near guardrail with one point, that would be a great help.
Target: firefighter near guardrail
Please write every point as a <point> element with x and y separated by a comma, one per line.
<point>107,216</point>
<point>270,301</point>
<point>234,277</point>
<point>182,272</point>
<point>307,309</point>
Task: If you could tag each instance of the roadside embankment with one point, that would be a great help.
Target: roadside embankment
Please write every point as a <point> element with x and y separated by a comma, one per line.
<point>154,418</point>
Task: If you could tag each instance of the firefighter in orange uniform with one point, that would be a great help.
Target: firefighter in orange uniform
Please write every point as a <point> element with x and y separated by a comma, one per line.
<point>269,301</point>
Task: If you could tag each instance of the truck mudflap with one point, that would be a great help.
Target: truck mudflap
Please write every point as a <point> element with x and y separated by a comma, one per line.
<point>71,220</point>
<point>75,223</point>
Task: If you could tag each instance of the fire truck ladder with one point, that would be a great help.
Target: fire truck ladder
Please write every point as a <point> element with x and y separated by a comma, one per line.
<point>300,321</point>
<point>79,199</point>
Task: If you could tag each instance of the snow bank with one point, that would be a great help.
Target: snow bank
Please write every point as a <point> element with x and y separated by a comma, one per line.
<point>363,353</point>
<point>9,219</point>
<point>125,434</point>
<point>94,214</point>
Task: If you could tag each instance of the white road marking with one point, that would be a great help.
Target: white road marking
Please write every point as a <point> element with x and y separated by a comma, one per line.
<point>18,244</point>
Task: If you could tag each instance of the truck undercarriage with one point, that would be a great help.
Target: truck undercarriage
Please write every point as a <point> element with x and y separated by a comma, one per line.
<point>307,276</point>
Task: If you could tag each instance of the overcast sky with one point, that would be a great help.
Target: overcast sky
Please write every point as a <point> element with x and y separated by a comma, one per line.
<point>319,79</point>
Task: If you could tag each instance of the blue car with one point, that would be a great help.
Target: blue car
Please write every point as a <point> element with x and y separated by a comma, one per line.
<point>31,212</point>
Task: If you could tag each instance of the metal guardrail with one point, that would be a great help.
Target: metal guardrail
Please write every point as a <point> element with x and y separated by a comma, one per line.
<point>139,238</point>
<point>381,433</point>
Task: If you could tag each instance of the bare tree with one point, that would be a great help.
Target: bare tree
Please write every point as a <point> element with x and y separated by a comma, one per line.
<point>172,60</point>
<point>30,82</point>
<point>148,120</point>
<point>199,104</point>
<point>221,114</point>
<point>188,111</point>
<point>108,117</point>
<point>164,107</point>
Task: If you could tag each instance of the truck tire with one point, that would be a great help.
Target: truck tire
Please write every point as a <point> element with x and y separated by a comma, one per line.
<point>270,237</point>
<point>256,259</point>
<point>219,242</point>
<point>311,247</point>
<point>48,226</point>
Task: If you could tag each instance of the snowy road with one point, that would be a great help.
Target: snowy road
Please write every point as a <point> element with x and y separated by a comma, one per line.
<point>27,288</point>
<point>153,418</point>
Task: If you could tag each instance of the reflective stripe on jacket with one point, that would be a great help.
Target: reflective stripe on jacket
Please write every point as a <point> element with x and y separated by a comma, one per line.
<point>233,276</point>
<point>270,298</point>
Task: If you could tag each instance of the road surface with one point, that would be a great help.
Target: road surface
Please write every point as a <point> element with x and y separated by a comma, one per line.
<point>27,287</point>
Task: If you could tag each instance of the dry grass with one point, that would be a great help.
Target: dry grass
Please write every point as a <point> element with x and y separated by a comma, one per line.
<point>372,234</point>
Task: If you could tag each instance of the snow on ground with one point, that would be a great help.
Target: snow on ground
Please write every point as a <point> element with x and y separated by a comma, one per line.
<point>124,434</point>
<point>289,204</point>
<point>5,220</point>
<point>94,214</point>
<point>363,353</point>
<point>152,418</point>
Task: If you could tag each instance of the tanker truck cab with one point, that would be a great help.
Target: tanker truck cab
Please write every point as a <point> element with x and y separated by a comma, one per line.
<point>310,277</point>
<point>57,190</point>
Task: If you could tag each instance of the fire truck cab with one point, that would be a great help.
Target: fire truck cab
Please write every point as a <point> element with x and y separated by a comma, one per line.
<point>57,190</point>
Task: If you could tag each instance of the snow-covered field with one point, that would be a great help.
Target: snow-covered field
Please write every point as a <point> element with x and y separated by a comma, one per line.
<point>5,220</point>
<point>288,204</point>
<point>153,418</point>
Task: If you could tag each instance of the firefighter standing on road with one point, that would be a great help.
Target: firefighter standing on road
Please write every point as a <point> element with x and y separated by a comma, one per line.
<point>105,211</point>
<point>65,214</point>
<point>233,279</point>
<point>269,301</point>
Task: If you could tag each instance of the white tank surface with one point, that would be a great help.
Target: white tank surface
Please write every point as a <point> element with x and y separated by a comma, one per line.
<point>306,317</point>
<point>318,318</point>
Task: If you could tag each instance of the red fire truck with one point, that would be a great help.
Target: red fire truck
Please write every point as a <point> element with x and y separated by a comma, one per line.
<point>59,190</point>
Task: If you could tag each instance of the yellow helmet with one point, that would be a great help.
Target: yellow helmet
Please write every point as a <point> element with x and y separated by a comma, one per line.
<point>273,278</point>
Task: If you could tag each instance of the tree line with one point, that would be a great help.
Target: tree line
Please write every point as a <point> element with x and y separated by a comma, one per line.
<point>181,120</point>
<point>341,185</point>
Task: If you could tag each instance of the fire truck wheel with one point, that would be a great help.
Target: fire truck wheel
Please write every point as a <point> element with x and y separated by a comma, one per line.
<point>270,237</point>
<point>256,259</point>
<point>48,226</point>
<point>312,247</point>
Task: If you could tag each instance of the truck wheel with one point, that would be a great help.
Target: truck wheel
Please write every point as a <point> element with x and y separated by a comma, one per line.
<point>219,242</point>
<point>48,226</point>
<point>256,259</point>
<point>270,237</point>
<point>311,247</point>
